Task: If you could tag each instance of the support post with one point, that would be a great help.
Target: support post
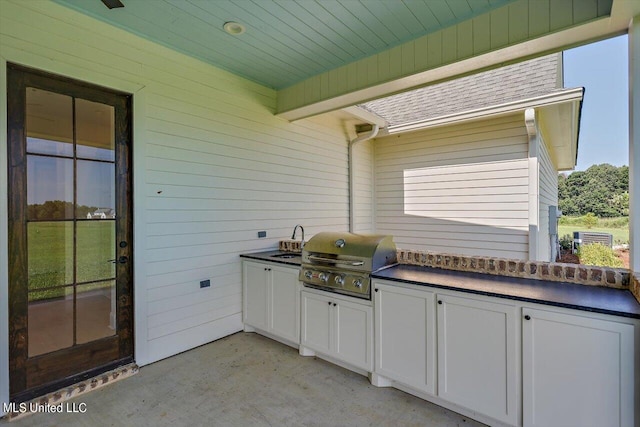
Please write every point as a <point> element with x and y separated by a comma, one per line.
<point>634,144</point>
<point>534,193</point>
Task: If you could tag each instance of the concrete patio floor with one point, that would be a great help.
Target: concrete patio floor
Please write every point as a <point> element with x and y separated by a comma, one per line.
<point>248,380</point>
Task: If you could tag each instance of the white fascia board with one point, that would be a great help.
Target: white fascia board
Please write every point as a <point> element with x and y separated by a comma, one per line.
<point>570,95</point>
<point>560,125</point>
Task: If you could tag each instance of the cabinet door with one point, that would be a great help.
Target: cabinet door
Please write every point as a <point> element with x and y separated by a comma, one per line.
<point>354,334</point>
<point>405,336</point>
<point>255,280</point>
<point>284,313</point>
<point>316,322</point>
<point>477,353</point>
<point>577,371</point>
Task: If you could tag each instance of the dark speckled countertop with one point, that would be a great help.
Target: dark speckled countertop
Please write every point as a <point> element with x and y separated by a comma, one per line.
<point>276,256</point>
<point>581,297</point>
<point>589,298</point>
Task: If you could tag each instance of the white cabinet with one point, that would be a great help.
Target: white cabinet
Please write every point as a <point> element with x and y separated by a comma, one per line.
<point>284,303</point>
<point>477,356</point>
<point>271,299</point>
<point>505,362</point>
<point>317,322</point>
<point>337,327</point>
<point>405,325</point>
<point>577,370</point>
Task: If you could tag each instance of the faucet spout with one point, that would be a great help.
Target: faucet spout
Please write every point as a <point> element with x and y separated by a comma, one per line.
<point>293,236</point>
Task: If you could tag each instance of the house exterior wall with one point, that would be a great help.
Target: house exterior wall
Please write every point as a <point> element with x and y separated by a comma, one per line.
<point>458,189</point>
<point>548,196</point>
<point>212,166</point>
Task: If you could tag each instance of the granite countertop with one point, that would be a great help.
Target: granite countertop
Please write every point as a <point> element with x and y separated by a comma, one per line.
<point>276,256</point>
<point>568,295</point>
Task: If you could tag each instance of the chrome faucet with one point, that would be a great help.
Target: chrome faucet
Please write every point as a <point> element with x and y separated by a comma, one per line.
<point>293,236</point>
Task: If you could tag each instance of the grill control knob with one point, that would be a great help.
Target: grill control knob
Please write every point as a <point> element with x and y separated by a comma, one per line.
<point>323,277</point>
<point>308,274</point>
<point>339,280</point>
<point>357,283</point>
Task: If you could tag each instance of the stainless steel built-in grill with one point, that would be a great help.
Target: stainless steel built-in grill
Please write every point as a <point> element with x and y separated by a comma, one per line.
<point>343,262</point>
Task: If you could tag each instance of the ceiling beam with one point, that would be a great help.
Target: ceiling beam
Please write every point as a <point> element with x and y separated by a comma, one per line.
<point>520,30</point>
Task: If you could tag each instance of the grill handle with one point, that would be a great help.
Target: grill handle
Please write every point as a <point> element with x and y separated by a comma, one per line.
<point>335,261</point>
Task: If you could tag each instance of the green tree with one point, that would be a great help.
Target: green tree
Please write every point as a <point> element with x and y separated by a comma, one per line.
<point>599,190</point>
<point>590,220</point>
<point>620,202</point>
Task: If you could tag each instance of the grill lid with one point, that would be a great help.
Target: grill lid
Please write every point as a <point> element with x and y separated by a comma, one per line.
<point>363,252</point>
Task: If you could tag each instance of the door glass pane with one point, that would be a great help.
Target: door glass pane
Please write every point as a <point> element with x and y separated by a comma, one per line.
<point>49,188</point>
<point>96,246</point>
<point>50,321</point>
<point>50,254</point>
<point>95,130</point>
<point>49,123</point>
<point>95,311</point>
<point>95,190</point>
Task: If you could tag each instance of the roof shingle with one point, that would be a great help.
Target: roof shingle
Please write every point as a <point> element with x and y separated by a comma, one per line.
<point>528,79</point>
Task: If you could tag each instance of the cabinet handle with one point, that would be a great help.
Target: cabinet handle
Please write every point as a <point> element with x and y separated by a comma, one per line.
<point>376,289</point>
<point>440,301</point>
<point>329,302</point>
<point>334,304</point>
<point>527,317</point>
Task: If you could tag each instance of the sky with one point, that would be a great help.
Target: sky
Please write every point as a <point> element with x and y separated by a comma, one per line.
<point>602,69</point>
<point>51,178</point>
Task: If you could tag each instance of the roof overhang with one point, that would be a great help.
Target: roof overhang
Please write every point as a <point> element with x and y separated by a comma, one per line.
<point>558,115</point>
<point>366,116</point>
<point>362,80</point>
<point>549,101</point>
<point>560,127</point>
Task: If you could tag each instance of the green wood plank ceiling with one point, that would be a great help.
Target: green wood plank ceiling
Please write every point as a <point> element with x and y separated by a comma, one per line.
<point>286,41</point>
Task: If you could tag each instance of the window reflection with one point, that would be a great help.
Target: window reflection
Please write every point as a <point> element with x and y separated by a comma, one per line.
<point>95,311</point>
<point>49,188</point>
<point>96,246</point>
<point>94,130</point>
<point>49,123</point>
<point>54,148</point>
<point>95,190</point>
<point>50,254</point>
<point>50,321</point>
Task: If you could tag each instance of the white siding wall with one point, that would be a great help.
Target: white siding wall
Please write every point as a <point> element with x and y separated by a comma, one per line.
<point>457,189</point>
<point>212,167</point>
<point>548,196</point>
<point>363,187</point>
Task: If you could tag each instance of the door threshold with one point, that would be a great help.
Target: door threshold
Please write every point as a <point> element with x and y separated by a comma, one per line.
<point>56,401</point>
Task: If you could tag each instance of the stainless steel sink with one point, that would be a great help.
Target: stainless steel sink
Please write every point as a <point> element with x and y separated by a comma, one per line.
<point>286,255</point>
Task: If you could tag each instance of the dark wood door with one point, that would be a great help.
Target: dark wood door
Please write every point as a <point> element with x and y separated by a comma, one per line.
<point>70,231</point>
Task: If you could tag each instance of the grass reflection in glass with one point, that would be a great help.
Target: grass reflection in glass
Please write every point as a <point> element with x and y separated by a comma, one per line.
<point>50,251</point>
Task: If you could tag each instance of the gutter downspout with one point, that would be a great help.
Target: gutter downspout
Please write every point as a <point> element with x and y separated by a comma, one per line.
<point>531,125</point>
<point>364,137</point>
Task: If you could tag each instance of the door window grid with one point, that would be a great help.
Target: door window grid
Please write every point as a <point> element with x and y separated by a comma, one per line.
<point>65,291</point>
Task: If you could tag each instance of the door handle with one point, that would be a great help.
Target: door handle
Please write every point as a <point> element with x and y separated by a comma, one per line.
<point>121,260</point>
